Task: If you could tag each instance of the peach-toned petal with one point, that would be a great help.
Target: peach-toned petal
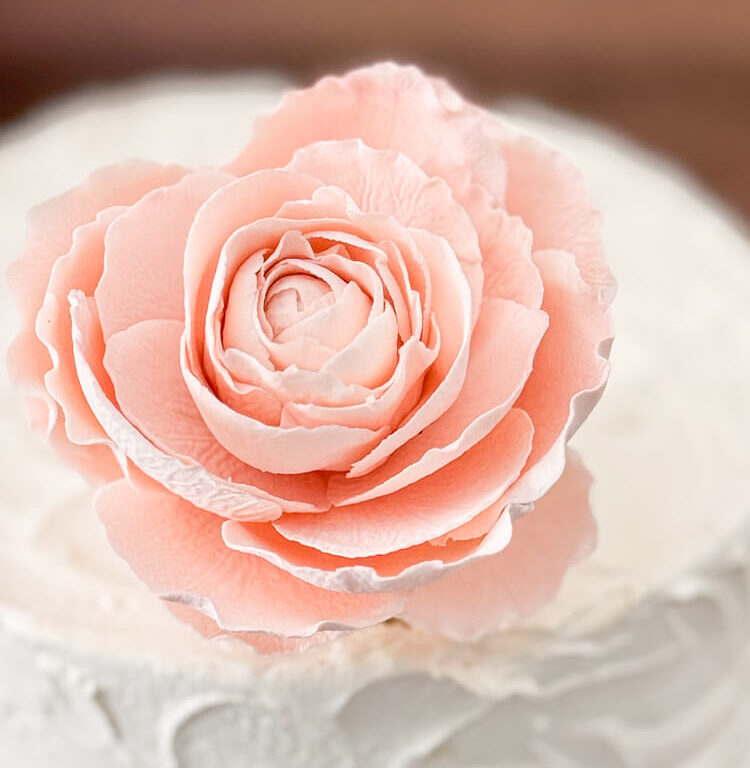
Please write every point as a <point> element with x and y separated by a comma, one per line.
<point>498,591</point>
<point>505,340</point>
<point>389,183</point>
<point>570,369</point>
<point>50,232</point>
<point>509,271</point>
<point>546,190</point>
<point>329,330</point>
<point>370,358</point>
<point>80,269</point>
<point>396,571</point>
<point>293,384</point>
<point>237,325</point>
<point>423,511</point>
<point>144,365</point>
<point>181,476</point>
<point>178,551</point>
<point>452,309</point>
<point>97,463</point>
<point>261,642</point>
<point>369,408</point>
<point>144,254</point>
<point>274,449</point>
<point>232,207</point>
<point>388,107</point>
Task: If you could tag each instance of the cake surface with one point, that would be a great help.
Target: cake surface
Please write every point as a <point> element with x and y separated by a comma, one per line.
<point>641,660</point>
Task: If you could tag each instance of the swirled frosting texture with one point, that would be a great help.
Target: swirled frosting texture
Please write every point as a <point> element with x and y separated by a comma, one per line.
<point>322,382</point>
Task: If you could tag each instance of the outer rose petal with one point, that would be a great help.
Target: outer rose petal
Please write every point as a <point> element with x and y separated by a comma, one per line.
<point>501,590</point>
<point>50,228</point>
<point>145,253</point>
<point>546,190</point>
<point>570,369</point>
<point>400,570</point>
<point>261,641</point>
<point>182,476</point>
<point>178,551</point>
<point>156,401</point>
<point>426,510</point>
<point>388,107</point>
<point>80,268</point>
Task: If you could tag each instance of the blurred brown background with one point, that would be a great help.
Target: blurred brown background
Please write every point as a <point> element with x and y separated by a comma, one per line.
<point>673,73</point>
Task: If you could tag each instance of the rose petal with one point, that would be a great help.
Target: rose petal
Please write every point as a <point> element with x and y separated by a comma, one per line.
<point>501,590</point>
<point>50,232</point>
<point>178,551</point>
<point>387,106</point>
<point>273,449</point>
<point>246,200</point>
<point>371,409</point>
<point>261,642</point>
<point>187,478</point>
<point>509,271</point>
<point>423,511</point>
<point>401,570</point>
<point>80,268</point>
<point>505,340</point>
<point>389,183</point>
<point>143,363</point>
<point>452,309</point>
<point>546,190</point>
<point>570,369</point>
<point>145,252</point>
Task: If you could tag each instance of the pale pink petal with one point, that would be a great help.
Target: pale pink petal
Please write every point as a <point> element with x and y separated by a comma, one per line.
<point>505,340</point>
<point>389,107</point>
<point>509,271</point>
<point>144,254</point>
<point>178,551</point>
<point>50,233</point>
<point>423,511</point>
<point>370,358</point>
<point>498,591</point>
<point>293,384</point>
<point>144,365</point>
<point>451,304</point>
<point>546,190</point>
<point>232,207</point>
<point>274,449</point>
<point>570,369</point>
<point>80,268</point>
<point>237,324</point>
<point>371,408</point>
<point>181,476</point>
<point>389,183</point>
<point>328,330</point>
<point>97,463</point>
<point>397,571</point>
<point>262,642</point>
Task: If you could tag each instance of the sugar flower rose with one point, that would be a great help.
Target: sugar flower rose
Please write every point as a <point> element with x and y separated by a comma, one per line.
<point>320,384</point>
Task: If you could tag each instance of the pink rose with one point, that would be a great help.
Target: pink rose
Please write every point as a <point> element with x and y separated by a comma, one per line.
<point>321,383</point>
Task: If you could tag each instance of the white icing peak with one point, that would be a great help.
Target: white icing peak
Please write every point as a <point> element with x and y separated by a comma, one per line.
<point>667,447</point>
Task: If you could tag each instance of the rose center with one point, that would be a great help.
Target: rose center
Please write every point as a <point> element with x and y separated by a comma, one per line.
<point>292,298</point>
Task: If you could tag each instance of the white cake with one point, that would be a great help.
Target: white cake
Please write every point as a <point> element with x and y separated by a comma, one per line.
<point>642,661</point>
